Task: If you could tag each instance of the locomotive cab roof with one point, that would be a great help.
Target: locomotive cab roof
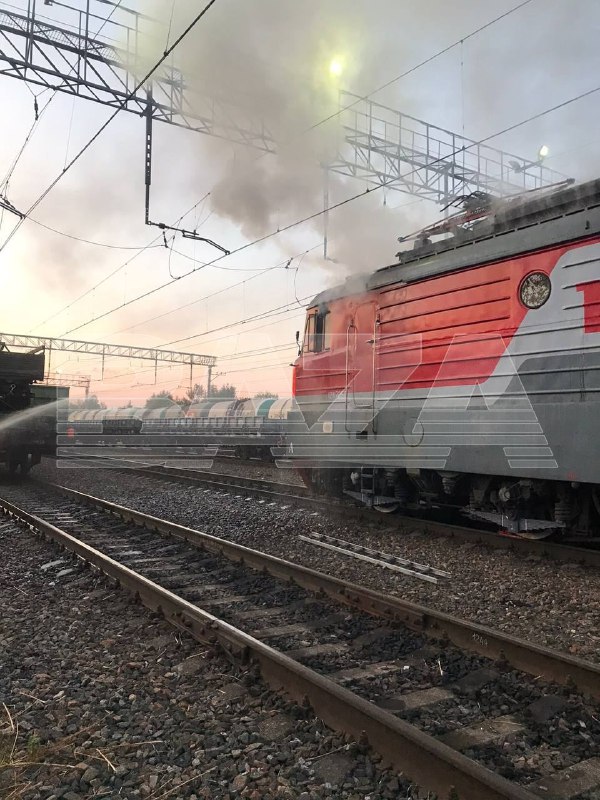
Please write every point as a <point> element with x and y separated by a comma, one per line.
<point>509,227</point>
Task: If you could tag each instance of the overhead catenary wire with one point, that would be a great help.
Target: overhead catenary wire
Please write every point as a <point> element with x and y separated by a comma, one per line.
<point>257,351</point>
<point>252,330</point>
<point>277,311</point>
<point>170,24</point>
<point>240,249</point>
<point>151,244</point>
<point>105,125</point>
<point>89,241</point>
<point>420,64</point>
<point>17,158</point>
<point>215,266</point>
<point>268,313</point>
<point>264,271</point>
<point>262,315</point>
<point>145,370</point>
<point>155,243</point>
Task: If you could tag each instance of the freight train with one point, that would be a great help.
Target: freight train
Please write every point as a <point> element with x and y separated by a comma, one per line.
<point>466,374</point>
<point>27,431</point>
<point>248,427</point>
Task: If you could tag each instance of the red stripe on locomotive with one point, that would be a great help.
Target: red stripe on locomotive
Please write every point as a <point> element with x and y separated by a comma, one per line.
<point>448,330</point>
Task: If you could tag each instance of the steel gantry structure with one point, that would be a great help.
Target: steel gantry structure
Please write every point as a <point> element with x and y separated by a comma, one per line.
<point>71,58</point>
<point>378,144</point>
<point>386,147</point>
<point>61,379</point>
<point>110,350</point>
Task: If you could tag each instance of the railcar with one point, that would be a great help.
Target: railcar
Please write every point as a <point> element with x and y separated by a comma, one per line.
<point>249,427</point>
<point>466,374</point>
<point>27,431</point>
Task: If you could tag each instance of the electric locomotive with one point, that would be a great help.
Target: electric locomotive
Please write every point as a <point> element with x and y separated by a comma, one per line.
<point>467,373</point>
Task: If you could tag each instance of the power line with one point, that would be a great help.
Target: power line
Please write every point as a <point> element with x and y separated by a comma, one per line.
<point>219,258</point>
<point>88,241</point>
<point>260,366</point>
<point>203,264</point>
<point>206,264</point>
<point>151,244</point>
<point>106,278</point>
<point>105,125</point>
<point>262,315</point>
<point>264,271</point>
<point>259,351</point>
<point>398,77</point>
<point>227,372</point>
<point>292,309</point>
<point>34,124</point>
<point>145,370</point>
<point>251,330</point>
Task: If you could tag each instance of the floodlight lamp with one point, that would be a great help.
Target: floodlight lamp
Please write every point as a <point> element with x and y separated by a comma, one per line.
<point>335,67</point>
<point>543,152</point>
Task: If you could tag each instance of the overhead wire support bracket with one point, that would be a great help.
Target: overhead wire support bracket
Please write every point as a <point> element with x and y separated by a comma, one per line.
<point>8,206</point>
<point>148,181</point>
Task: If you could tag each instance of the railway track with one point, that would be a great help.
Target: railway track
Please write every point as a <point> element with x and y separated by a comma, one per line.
<point>447,702</point>
<point>257,487</point>
<point>275,491</point>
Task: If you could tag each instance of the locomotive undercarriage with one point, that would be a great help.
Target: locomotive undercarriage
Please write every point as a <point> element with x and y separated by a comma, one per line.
<point>520,506</point>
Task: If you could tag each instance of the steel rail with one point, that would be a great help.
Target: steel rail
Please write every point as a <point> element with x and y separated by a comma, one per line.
<point>296,491</point>
<point>531,658</point>
<point>430,763</point>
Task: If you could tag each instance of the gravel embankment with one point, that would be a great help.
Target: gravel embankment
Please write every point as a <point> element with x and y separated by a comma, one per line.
<point>100,698</point>
<point>254,468</point>
<point>551,603</point>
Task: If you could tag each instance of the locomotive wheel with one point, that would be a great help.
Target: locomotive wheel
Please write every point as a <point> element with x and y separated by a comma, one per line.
<point>387,508</point>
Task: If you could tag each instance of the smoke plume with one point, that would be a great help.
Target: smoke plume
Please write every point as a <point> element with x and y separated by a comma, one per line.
<point>270,64</point>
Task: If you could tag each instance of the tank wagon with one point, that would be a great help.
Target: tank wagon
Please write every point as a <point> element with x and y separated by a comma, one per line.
<point>467,373</point>
<point>249,427</point>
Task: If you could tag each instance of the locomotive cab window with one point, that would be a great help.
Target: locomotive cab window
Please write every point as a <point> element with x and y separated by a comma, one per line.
<point>316,334</point>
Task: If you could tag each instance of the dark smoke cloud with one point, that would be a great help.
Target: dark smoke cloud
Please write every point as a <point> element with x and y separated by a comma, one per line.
<point>270,61</point>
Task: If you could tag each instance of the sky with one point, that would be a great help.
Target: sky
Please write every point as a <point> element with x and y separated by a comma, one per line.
<point>262,65</point>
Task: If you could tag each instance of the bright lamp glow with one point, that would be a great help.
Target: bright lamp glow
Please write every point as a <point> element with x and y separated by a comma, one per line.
<point>544,151</point>
<point>336,67</point>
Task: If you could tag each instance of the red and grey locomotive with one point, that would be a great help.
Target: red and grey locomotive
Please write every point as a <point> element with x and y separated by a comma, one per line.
<point>466,374</point>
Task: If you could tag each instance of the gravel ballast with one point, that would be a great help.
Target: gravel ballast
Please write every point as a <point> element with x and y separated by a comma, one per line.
<point>101,698</point>
<point>554,604</point>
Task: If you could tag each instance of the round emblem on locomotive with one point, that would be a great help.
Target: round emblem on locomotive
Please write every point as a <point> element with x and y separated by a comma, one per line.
<point>535,290</point>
